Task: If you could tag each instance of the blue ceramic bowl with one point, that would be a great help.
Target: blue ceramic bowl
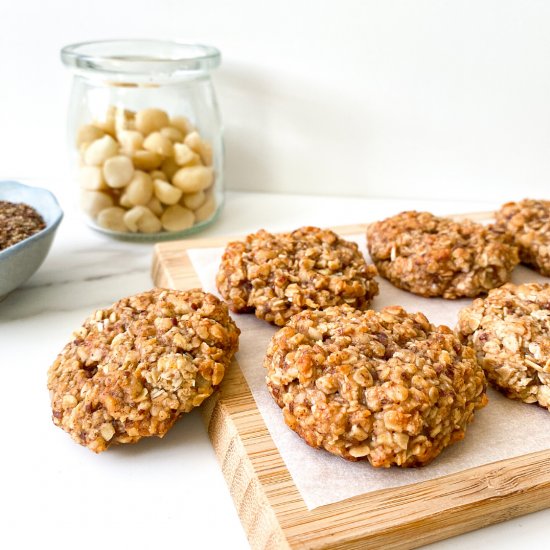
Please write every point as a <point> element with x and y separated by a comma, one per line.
<point>20,261</point>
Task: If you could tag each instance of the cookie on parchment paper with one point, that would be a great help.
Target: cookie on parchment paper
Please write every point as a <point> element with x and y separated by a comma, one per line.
<point>528,223</point>
<point>276,276</point>
<point>388,387</point>
<point>133,368</point>
<point>510,332</point>
<point>433,256</point>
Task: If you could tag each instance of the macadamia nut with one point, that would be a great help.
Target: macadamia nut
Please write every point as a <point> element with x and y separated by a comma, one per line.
<point>193,178</point>
<point>141,219</point>
<point>118,171</point>
<point>88,133</point>
<point>130,141</point>
<point>195,142</point>
<point>146,160</point>
<point>91,178</point>
<point>167,193</point>
<point>182,124</point>
<point>140,190</point>
<point>183,154</point>
<point>193,200</point>
<point>125,201</point>
<point>155,206</point>
<point>172,133</point>
<point>177,218</point>
<point>112,218</point>
<point>100,150</point>
<point>158,175</point>
<point>207,210</point>
<point>151,120</point>
<point>92,202</point>
<point>169,167</point>
<point>157,143</point>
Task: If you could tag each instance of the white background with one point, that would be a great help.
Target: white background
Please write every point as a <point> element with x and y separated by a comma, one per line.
<point>424,99</point>
<point>430,98</point>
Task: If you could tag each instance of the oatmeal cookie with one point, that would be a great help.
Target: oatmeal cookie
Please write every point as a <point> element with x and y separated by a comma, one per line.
<point>528,223</point>
<point>280,275</point>
<point>387,387</point>
<point>132,369</point>
<point>433,256</point>
<point>510,332</point>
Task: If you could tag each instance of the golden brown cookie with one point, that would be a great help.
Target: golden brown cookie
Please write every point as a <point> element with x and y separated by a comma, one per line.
<point>433,256</point>
<point>132,369</point>
<point>387,387</point>
<point>277,276</point>
<point>510,332</point>
<point>528,224</point>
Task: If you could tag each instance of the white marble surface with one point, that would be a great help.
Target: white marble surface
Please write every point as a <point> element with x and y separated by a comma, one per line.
<point>163,494</point>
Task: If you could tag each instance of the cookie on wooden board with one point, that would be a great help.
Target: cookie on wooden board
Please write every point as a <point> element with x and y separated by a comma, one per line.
<point>276,276</point>
<point>388,387</point>
<point>528,224</point>
<point>133,368</point>
<point>433,256</point>
<point>510,332</point>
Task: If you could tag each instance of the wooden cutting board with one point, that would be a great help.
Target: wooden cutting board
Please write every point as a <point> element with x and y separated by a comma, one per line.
<point>271,509</point>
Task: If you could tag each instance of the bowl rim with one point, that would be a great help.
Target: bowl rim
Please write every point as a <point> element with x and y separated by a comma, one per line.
<point>51,227</point>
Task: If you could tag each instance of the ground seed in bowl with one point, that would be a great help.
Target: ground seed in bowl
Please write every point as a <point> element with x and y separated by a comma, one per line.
<point>18,221</point>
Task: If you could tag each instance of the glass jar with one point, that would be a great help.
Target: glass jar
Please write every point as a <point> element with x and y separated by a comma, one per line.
<point>145,136</point>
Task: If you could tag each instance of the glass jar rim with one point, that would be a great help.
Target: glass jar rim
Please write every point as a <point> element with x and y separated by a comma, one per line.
<point>139,57</point>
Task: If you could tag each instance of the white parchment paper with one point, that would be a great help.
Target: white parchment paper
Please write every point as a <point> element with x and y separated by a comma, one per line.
<point>503,429</point>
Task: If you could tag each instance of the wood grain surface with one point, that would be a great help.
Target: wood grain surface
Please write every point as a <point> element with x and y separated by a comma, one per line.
<point>270,507</point>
